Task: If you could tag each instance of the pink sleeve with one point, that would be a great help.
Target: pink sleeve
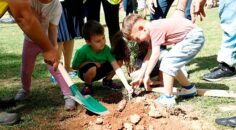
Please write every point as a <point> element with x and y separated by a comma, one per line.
<point>157,37</point>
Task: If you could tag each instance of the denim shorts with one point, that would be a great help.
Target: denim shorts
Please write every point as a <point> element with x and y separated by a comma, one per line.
<point>183,52</point>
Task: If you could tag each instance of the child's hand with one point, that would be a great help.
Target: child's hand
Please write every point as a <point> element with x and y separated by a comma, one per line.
<point>147,82</point>
<point>136,82</point>
<point>130,92</point>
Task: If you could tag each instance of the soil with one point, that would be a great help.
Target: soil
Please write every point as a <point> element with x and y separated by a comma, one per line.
<point>172,118</point>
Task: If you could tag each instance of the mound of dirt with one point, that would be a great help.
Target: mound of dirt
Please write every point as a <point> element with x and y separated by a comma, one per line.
<point>148,116</point>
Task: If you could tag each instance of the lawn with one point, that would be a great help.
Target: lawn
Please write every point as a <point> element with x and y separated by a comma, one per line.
<point>45,108</point>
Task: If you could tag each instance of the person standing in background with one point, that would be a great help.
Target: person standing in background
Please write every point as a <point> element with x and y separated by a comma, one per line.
<point>111,11</point>
<point>69,28</point>
<point>227,53</point>
<point>23,14</point>
<point>48,12</point>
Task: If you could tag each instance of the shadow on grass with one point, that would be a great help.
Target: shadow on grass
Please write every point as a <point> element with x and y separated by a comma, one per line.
<point>10,66</point>
<point>213,86</point>
<point>203,63</point>
<point>103,94</point>
<point>41,99</point>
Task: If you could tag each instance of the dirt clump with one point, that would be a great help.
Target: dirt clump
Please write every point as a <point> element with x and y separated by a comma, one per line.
<point>163,118</point>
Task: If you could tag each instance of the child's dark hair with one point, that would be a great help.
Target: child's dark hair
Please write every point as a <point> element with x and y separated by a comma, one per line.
<point>120,47</point>
<point>92,28</point>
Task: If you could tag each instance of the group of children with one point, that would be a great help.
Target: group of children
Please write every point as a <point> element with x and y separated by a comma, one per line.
<point>95,60</point>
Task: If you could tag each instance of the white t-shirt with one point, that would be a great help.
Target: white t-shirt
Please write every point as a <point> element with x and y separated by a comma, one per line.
<point>48,13</point>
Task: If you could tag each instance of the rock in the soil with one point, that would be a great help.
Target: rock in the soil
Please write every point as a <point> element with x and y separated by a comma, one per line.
<point>121,105</point>
<point>152,105</point>
<point>106,127</point>
<point>118,125</point>
<point>139,99</point>
<point>151,127</point>
<point>128,126</point>
<point>137,91</point>
<point>99,121</point>
<point>95,127</point>
<point>135,118</point>
<point>154,113</point>
<point>139,127</point>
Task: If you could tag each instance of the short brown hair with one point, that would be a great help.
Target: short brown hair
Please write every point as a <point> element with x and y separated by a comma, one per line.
<point>128,23</point>
<point>92,28</point>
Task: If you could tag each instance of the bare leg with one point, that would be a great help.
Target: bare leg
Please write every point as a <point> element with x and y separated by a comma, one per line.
<point>60,49</point>
<point>182,79</point>
<point>68,51</point>
<point>159,81</point>
<point>89,75</point>
<point>168,84</point>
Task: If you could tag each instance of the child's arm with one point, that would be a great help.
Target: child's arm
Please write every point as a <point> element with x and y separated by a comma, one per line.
<point>121,76</point>
<point>180,9</point>
<point>136,82</point>
<point>22,12</point>
<point>52,34</point>
<point>151,64</point>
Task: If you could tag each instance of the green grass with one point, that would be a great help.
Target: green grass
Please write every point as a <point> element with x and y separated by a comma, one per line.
<point>45,108</point>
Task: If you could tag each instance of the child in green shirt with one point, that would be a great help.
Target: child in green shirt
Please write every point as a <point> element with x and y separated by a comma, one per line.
<point>95,61</point>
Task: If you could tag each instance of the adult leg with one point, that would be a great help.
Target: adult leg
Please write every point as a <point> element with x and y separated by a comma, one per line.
<point>93,9</point>
<point>162,9</point>
<point>227,53</point>
<point>187,10</point>
<point>68,50</point>
<point>69,103</point>
<point>111,17</point>
<point>227,15</point>
<point>29,55</point>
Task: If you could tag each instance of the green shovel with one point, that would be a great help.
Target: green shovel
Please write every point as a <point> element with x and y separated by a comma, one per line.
<point>87,101</point>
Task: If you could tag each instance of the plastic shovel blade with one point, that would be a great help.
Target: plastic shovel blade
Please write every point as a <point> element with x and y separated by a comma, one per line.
<point>88,102</point>
<point>95,104</point>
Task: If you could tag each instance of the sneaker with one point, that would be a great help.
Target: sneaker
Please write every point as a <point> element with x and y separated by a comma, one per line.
<point>8,118</point>
<point>69,103</point>
<point>53,80</point>
<point>166,100</point>
<point>110,84</point>
<point>221,72</point>
<point>87,90</point>
<point>227,121</point>
<point>22,95</point>
<point>72,74</point>
<point>6,103</point>
<point>186,93</point>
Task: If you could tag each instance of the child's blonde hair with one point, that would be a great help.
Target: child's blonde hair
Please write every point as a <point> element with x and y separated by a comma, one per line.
<point>128,23</point>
